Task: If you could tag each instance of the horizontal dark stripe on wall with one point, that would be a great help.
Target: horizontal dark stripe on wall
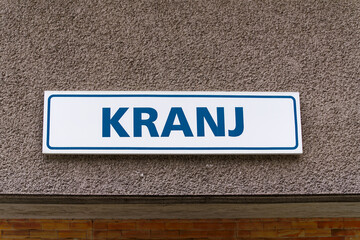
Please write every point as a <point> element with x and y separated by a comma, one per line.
<point>174,199</point>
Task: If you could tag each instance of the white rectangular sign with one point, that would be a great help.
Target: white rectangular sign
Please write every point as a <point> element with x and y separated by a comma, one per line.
<point>171,123</point>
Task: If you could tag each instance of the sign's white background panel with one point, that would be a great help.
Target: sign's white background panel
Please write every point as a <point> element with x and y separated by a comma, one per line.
<point>73,123</point>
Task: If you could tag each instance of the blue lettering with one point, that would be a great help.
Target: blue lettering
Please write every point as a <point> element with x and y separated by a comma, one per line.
<point>203,114</point>
<point>239,123</point>
<point>149,123</point>
<point>183,126</point>
<point>108,121</point>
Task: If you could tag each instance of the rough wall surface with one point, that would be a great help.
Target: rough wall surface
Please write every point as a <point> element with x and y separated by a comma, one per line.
<point>312,47</point>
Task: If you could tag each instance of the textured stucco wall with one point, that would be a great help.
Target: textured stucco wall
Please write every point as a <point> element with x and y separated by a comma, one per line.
<point>312,47</point>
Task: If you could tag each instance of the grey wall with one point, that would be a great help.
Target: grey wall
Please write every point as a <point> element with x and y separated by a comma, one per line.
<point>312,47</point>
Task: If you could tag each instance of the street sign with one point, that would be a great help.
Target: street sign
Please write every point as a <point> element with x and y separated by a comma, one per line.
<point>171,123</point>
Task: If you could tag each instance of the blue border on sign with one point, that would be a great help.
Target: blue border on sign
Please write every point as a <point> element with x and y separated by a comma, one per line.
<point>169,148</point>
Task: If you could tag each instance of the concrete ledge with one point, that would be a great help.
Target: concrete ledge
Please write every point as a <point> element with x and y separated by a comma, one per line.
<point>180,211</point>
<point>203,199</point>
